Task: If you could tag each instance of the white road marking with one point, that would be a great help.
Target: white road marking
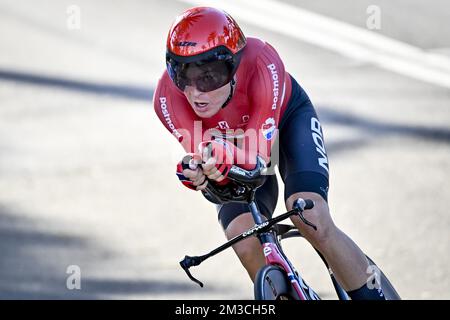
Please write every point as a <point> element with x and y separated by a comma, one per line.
<point>340,37</point>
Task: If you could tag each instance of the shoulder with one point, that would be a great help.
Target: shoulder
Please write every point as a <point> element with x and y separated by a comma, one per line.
<point>171,106</point>
<point>254,45</point>
<point>260,58</point>
<point>257,49</point>
<point>165,87</point>
<point>166,93</point>
<point>254,48</point>
<point>263,64</point>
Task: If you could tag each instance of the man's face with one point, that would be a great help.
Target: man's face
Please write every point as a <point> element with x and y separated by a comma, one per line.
<point>207,104</point>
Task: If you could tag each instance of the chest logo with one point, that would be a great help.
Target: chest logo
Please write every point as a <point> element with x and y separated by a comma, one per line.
<point>223,125</point>
<point>268,128</point>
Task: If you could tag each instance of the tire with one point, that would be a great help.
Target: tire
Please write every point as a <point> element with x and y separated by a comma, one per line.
<point>272,283</point>
<point>388,289</point>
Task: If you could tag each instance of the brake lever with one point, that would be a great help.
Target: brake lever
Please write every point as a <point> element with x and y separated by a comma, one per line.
<point>305,221</point>
<point>188,262</point>
<point>300,205</point>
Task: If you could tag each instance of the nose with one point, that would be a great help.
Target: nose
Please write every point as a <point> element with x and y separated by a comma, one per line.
<point>196,93</point>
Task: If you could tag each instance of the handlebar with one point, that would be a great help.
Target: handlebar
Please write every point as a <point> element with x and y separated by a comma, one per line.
<point>188,262</point>
<point>299,206</point>
<point>253,178</point>
<point>303,204</point>
<point>243,186</point>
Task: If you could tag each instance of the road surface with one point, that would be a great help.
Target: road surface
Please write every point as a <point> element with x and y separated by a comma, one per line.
<point>87,171</point>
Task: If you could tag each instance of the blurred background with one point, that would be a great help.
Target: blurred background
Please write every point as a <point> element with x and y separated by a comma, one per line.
<point>87,179</point>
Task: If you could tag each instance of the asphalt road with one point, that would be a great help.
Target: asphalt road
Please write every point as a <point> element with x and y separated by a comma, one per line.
<point>411,21</point>
<point>87,171</point>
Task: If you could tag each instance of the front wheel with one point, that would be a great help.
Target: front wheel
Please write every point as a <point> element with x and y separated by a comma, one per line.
<point>272,283</point>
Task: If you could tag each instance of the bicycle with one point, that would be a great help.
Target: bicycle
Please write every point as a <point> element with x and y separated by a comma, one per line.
<point>278,279</point>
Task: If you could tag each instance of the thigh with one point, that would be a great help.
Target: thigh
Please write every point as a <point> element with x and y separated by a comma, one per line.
<point>303,158</point>
<point>266,199</point>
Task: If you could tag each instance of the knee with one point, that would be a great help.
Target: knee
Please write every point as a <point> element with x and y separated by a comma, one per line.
<point>319,216</point>
<point>321,237</point>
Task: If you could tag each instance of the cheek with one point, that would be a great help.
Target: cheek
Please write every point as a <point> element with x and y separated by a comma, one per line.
<point>187,93</point>
<point>221,95</point>
<point>214,98</point>
<point>189,96</point>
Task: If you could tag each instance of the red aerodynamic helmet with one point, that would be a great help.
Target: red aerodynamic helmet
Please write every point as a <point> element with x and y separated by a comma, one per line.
<point>204,48</point>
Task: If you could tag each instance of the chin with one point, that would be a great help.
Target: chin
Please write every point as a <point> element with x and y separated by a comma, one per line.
<point>205,115</point>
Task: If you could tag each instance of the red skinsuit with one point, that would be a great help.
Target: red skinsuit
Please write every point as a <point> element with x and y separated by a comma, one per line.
<point>262,91</point>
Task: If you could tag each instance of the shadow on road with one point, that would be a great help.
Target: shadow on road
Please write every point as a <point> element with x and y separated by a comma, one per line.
<point>331,116</point>
<point>328,115</point>
<point>33,265</point>
<point>372,131</point>
<point>123,91</point>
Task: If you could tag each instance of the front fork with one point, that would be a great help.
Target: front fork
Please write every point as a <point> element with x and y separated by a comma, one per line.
<point>275,257</point>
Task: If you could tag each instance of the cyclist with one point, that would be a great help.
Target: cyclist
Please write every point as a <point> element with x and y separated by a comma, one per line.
<point>231,94</point>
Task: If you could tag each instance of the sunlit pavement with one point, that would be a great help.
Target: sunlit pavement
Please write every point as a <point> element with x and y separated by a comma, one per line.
<point>87,171</point>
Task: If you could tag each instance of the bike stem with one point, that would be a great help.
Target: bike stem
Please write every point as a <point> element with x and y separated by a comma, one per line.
<point>263,237</point>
